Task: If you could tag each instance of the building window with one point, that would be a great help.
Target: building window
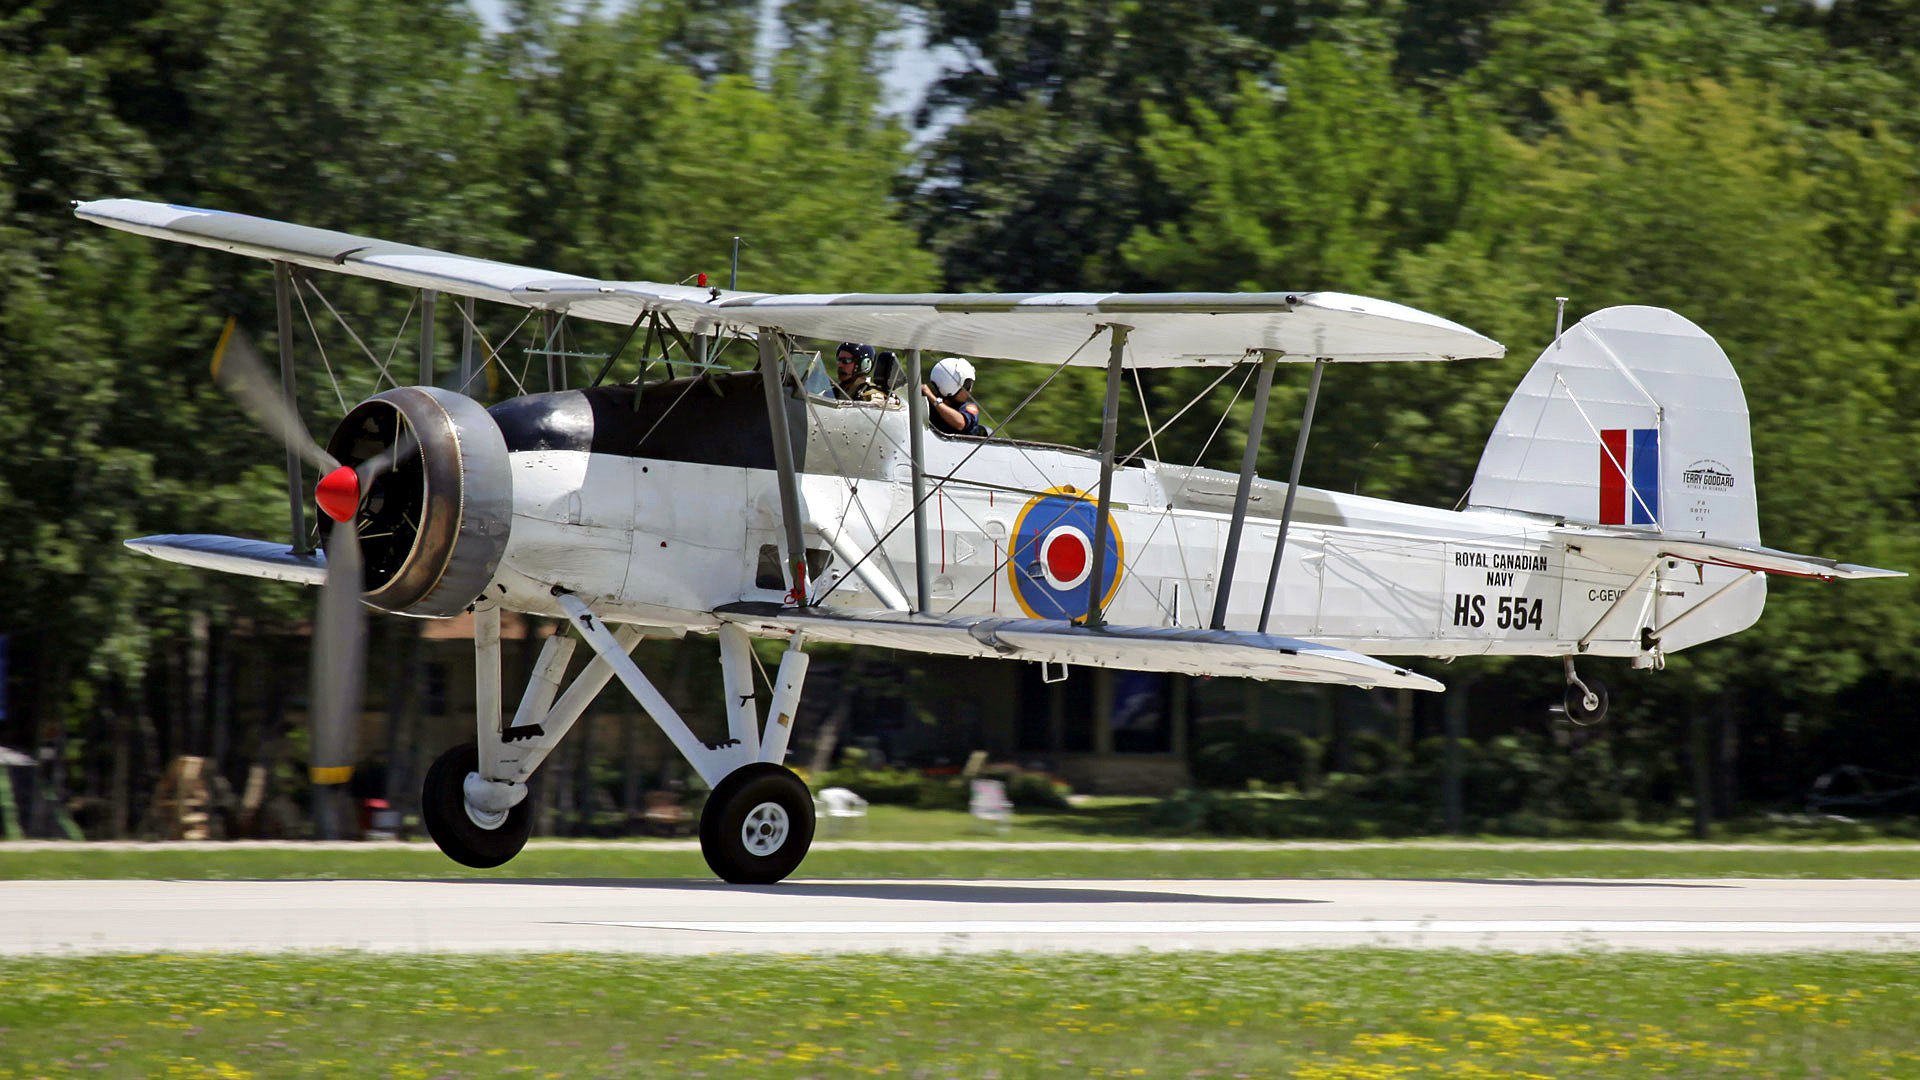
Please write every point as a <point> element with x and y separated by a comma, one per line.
<point>1141,719</point>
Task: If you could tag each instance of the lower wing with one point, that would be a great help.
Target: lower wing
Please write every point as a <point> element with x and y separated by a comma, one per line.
<point>1136,648</point>
<point>236,555</point>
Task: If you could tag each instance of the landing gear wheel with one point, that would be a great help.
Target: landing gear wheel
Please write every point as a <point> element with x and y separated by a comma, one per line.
<point>757,825</point>
<point>1589,707</point>
<point>453,825</point>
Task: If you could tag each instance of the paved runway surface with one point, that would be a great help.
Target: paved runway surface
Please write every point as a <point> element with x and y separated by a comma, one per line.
<point>55,917</point>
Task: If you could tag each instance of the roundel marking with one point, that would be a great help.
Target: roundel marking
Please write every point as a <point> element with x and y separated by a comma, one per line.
<point>1051,556</point>
<point>1066,555</point>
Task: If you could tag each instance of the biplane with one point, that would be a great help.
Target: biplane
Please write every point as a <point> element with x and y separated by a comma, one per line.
<point>1612,514</point>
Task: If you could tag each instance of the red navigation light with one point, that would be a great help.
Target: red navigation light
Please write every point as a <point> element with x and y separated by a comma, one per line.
<point>700,280</point>
<point>339,493</point>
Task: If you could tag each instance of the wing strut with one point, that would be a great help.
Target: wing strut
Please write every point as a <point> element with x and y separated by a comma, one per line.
<point>916,448</point>
<point>296,494</point>
<point>1109,419</point>
<point>429,302</point>
<point>1293,485</point>
<point>783,461</point>
<point>1247,461</point>
<point>466,342</point>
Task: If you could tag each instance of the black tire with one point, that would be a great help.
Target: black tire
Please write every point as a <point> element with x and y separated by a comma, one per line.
<point>1577,711</point>
<point>782,813</point>
<point>443,809</point>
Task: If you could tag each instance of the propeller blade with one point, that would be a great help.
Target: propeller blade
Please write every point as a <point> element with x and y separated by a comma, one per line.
<point>239,370</point>
<point>339,648</point>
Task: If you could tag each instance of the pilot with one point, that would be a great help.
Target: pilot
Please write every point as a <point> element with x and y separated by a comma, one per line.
<point>950,404</point>
<point>854,380</point>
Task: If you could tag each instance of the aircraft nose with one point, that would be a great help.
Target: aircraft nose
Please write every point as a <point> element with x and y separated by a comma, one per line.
<point>338,493</point>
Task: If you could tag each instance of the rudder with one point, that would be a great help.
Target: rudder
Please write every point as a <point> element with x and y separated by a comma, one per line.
<point>1632,418</point>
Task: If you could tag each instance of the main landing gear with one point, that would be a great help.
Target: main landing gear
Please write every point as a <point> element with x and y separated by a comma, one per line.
<point>470,836</point>
<point>758,823</point>
<point>1586,700</point>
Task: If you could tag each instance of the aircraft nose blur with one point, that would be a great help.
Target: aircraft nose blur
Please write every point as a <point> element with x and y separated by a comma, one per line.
<point>338,493</point>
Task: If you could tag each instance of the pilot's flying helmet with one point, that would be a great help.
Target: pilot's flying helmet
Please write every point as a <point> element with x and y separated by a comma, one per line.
<point>862,355</point>
<point>952,375</point>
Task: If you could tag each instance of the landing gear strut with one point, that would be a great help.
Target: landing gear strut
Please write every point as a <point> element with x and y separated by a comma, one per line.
<point>1586,700</point>
<point>758,823</point>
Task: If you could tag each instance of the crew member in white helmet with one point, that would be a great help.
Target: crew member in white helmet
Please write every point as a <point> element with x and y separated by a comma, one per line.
<point>950,404</point>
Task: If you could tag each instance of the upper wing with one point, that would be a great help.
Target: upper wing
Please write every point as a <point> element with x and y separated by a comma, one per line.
<point>1168,329</point>
<point>1135,648</point>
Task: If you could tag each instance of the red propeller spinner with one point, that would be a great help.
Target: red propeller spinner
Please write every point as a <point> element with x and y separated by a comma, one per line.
<point>339,493</point>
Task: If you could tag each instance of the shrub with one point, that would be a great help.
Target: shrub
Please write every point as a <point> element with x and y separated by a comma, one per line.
<point>1029,790</point>
<point>1229,756</point>
<point>1517,785</point>
<point>942,793</point>
<point>878,786</point>
<point>1026,789</point>
<point>1372,754</point>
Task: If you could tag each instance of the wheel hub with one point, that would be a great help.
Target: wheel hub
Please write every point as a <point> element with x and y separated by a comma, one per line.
<point>765,829</point>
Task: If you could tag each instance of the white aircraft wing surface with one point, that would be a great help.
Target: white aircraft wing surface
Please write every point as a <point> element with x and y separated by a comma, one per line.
<point>236,555</point>
<point>1182,650</point>
<point>1168,329</point>
<point>1628,548</point>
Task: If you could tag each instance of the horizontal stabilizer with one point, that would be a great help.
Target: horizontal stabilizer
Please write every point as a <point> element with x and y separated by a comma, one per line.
<point>236,555</point>
<point>1637,547</point>
<point>1179,650</point>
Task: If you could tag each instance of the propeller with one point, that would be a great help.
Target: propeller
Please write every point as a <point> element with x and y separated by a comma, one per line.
<point>340,627</point>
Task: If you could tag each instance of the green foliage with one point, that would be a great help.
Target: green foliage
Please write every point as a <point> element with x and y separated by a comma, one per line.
<point>878,786</point>
<point>1026,790</point>
<point>1320,176</point>
<point>1308,1012</point>
<point>1039,182</point>
<point>1030,790</point>
<point>630,143</point>
<point>1515,785</point>
<point>639,168</point>
<point>1230,755</point>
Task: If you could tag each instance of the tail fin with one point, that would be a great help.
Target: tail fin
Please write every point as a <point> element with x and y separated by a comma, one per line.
<point>1632,418</point>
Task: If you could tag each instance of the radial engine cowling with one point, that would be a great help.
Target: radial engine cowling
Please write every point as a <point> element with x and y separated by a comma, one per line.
<point>434,526</point>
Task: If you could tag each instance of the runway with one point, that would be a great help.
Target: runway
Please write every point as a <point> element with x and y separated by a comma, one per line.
<point>682,917</point>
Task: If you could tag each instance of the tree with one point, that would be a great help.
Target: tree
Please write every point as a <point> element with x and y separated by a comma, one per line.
<point>1038,183</point>
<point>639,169</point>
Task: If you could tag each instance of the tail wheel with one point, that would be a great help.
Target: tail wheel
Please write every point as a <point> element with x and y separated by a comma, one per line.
<point>757,825</point>
<point>1587,706</point>
<point>456,827</point>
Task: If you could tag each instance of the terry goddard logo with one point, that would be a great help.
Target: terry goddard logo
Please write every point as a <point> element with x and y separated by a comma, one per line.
<point>1708,475</point>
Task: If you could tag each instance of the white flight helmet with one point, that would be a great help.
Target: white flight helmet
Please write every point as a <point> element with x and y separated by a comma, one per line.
<point>952,375</point>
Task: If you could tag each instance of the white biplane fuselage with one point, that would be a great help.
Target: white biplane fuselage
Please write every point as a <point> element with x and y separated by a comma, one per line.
<point>665,542</point>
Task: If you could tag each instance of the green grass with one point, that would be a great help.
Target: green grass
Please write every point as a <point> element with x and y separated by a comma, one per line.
<point>587,860</point>
<point>1353,1013</point>
<point>1121,818</point>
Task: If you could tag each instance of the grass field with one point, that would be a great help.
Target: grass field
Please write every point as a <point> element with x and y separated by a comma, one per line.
<point>1356,1013</point>
<point>588,860</point>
